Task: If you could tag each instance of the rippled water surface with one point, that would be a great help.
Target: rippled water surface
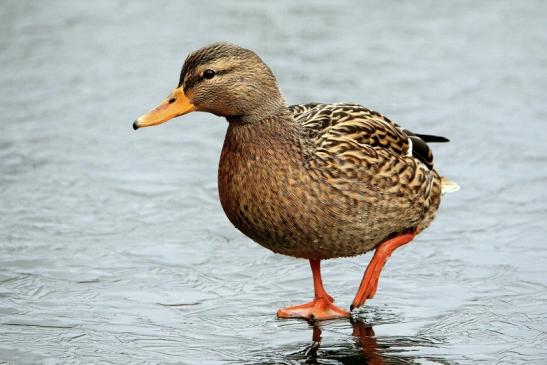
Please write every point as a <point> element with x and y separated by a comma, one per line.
<point>113,244</point>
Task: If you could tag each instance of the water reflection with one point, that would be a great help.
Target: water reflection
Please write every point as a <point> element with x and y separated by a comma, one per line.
<point>366,341</point>
<point>364,348</point>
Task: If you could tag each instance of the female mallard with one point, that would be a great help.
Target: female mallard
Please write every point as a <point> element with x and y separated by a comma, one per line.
<point>315,181</point>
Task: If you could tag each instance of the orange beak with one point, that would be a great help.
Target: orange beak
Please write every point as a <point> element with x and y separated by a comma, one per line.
<point>173,106</point>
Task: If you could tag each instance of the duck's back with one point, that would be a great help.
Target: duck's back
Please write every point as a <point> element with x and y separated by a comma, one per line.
<point>329,124</point>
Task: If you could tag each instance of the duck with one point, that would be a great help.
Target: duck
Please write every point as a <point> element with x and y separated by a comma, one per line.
<point>314,181</point>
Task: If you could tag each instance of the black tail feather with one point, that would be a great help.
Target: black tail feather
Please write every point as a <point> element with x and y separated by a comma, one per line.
<point>427,137</point>
<point>430,138</point>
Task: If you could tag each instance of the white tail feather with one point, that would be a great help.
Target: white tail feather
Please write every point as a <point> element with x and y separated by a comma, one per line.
<point>448,186</point>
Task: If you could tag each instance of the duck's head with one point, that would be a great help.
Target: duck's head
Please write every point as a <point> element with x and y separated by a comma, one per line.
<point>222,79</point>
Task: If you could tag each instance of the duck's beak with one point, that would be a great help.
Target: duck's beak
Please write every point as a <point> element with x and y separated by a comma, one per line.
<point>176,104</point>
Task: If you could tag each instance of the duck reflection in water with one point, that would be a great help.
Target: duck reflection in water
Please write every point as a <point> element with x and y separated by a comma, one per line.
<point>366,351</point>
<point>366,348</point>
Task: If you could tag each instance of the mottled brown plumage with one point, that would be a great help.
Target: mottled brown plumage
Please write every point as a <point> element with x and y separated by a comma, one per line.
<point>334,180</point>
<point>314,181</point>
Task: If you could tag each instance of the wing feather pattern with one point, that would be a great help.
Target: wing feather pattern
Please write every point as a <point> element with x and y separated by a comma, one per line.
<point>330,126</point>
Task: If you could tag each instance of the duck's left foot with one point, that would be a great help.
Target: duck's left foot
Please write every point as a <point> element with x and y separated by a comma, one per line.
<point>369,284</point>
<point>318,309</point>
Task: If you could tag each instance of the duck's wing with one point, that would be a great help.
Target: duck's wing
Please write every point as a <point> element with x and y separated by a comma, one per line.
<point>339,128</point>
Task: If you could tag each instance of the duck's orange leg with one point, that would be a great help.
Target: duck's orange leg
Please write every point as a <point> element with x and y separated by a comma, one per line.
<point>369,284</point>
<point>321,307</point>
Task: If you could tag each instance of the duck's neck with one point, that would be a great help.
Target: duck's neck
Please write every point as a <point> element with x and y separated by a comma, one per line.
<point>270,106</point>
<point>278,131</point>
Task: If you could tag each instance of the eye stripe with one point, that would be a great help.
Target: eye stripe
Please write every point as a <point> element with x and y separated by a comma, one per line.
<point>195,79</point>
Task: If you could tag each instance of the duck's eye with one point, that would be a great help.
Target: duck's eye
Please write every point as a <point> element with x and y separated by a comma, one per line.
<point>208,74</point>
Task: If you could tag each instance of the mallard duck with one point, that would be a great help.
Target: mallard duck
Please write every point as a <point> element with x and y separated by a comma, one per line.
<point>313,181</point>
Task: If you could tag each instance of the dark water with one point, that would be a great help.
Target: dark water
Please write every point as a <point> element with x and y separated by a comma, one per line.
<point>114,247</point>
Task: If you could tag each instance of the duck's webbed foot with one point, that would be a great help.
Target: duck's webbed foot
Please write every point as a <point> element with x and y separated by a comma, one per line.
<point>320,308</point>
<point>317,309</point>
